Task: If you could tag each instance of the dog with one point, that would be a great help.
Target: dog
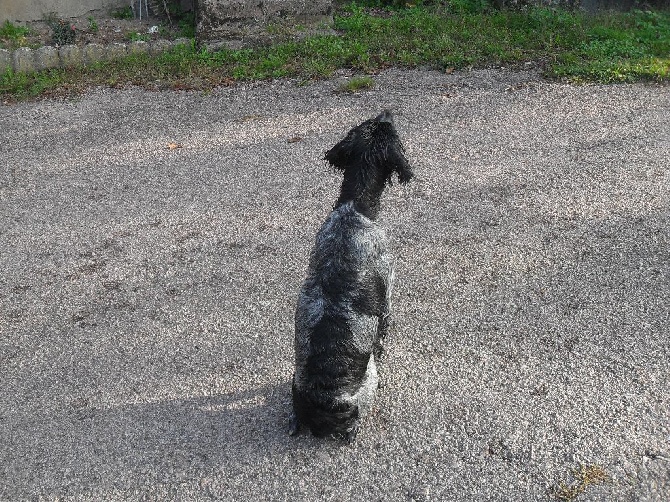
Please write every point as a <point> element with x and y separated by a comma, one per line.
<point>343,309</point>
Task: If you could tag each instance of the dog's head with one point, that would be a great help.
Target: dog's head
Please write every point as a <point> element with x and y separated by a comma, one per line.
<point>375,146</point>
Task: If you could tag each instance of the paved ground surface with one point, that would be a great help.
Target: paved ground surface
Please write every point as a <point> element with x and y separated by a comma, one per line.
<point>152,246</point>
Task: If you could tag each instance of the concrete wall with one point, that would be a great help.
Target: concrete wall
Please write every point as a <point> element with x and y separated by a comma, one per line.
<point>33,10</point>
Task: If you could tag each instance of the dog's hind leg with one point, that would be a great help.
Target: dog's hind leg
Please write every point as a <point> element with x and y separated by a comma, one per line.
<point>351,435</point>
<point>293,425</point>
<point>384,324</point>
<point>383,328</point>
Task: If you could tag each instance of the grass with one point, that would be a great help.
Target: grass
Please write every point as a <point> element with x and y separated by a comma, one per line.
<point>93,25</point>
<point>137,37</point>
<point>607,48</point>
<point>622,48</point>
<point>357,83</point>
<point>12,36</point>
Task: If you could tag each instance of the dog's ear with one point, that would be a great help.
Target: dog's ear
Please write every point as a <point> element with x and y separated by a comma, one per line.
<point>397,162</point>
<point>340,155</point>
<point>393,153</point>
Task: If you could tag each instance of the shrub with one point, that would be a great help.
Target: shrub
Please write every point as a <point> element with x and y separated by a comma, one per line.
<point>63,32</point>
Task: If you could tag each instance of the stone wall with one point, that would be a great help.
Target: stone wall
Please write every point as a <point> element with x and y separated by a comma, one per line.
<point>241,23</point>
<point>34,10</point>
<point>25,59</point>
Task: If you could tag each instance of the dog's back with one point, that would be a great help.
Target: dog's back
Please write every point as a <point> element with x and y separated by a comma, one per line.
<point>337,320</point>
<point>344,304</point>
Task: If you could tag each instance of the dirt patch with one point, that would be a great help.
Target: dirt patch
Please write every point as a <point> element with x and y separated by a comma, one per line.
<point>97,28</point>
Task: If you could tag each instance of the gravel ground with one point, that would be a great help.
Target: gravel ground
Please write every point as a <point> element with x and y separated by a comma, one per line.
<point>152,246</point>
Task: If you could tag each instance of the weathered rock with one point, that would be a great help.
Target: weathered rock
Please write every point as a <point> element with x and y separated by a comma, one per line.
<point>159,46</point>
<point>181,42</point>
<point>70,55</point>
<point>236,23</point>
<point>23,59</point>
<point>94,52</point>
<point>46,57</point>
<point>116,51</point>
<point>5,60</point>
<point>139,47</point>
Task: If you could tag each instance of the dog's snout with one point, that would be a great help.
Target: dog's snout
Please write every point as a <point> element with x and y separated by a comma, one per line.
<point>385,116</point>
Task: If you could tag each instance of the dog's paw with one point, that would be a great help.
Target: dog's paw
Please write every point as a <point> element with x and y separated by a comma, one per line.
<point>386,325</point>
<point>379,351</point>
<point>351,434</point>
<point>293,425</point>
<point>389,324</point>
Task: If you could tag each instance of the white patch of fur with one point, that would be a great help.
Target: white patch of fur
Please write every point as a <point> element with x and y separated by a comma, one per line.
<point>366,393</point>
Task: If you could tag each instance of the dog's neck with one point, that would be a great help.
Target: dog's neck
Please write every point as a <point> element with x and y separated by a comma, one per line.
<point>365,194</point>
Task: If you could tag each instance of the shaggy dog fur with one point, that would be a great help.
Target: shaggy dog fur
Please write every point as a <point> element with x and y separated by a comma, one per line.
<point>343,308</point>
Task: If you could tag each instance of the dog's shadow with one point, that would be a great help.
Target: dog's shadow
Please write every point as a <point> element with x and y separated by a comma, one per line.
<point>127,445</point>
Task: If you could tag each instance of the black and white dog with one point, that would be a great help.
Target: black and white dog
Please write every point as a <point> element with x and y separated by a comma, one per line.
<point>344,305</point>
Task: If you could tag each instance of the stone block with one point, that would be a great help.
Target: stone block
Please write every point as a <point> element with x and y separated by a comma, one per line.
<point>181,41</point>
<point>5,60</point>
<point>70,55</point>
<point>138,47</point>
<point>23,60</point>
<point>46,57</point>
<point>159,46</point>
<point>116,51</point>
<point>222,22</point>
<point>94,52</point>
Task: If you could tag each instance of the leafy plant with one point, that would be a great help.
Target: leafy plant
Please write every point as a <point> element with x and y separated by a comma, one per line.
<point>397,4</point>
<point>93,25</point>
<point>134,36</point>
<point>176,16</point>
<point>13,36</point>
<point>470,6</point>
<point>123,13</point>
<point>63,32</point>
<point>186,25</point>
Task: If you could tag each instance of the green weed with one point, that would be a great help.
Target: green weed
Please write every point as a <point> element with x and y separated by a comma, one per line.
<point>355,84</point>
<point>134,36</point>
<point>28,85</point>
<point>620,48</point>
<point>123,13</point>
<point>12,36</point>
<point>64,32</point>
<point>186,25</point>
<point>93,25</point>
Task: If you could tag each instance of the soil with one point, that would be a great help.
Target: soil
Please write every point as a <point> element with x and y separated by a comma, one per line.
<point>98,28</point>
